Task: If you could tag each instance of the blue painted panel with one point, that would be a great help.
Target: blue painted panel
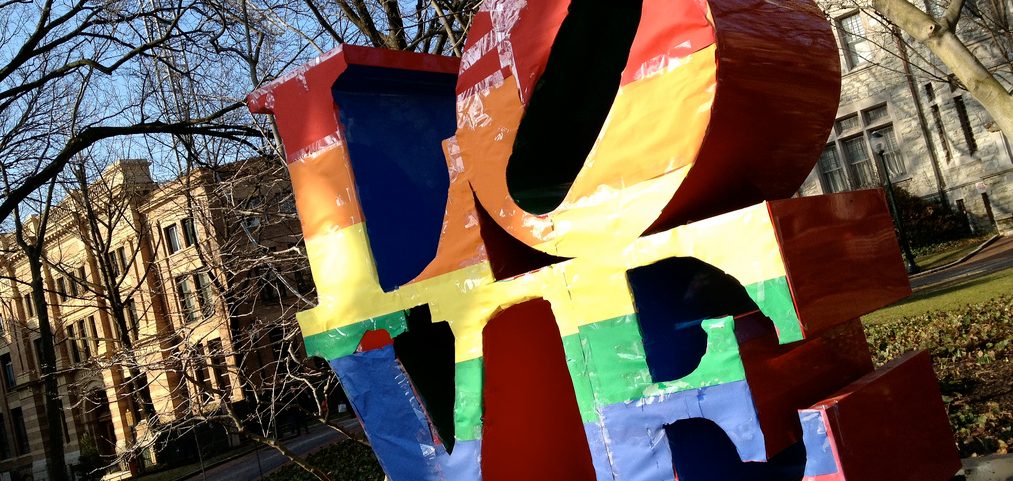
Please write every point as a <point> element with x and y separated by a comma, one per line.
<point>819,454</point>
<point>392,417</point>
<point>636,437</point>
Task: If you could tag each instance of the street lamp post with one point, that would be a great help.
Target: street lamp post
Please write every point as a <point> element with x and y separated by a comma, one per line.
<point>879,145</point>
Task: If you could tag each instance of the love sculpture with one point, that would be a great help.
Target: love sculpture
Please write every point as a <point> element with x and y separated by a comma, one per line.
<point>600,274</point>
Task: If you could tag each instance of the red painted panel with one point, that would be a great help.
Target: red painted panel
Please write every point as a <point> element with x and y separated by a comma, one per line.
<point>892,425</point>
<point>375,339</point>
<point>778,84</point>
<point>301,100</point>
<point>531,424</point>
<point>786,378</point>
<point>849,235</point>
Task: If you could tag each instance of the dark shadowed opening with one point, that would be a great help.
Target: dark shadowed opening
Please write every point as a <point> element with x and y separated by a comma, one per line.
<point>508,256</point>
<point>673,297</point>
<point>570,101</point>
<point>701,451</point>
<point>531,424</point>
<point>426,351</point>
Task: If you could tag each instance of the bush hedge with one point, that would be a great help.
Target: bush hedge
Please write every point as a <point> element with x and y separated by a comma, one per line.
<point>344,461</point>
<point>927,222</point>
<point>972,353</point>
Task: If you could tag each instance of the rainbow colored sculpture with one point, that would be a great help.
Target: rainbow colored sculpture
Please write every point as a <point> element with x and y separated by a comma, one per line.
<point>570,254</point>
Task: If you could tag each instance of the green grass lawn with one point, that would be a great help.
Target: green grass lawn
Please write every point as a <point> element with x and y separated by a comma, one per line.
<point>948,296</point>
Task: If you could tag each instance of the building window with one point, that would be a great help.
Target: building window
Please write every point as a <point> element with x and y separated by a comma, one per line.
<point>201,373</point>
<point>37,343</point>
<point>114,267</point>
<point>171,239</point>
<point>271,285</point>
<point>876,115</point>
<point>5,449</point>
<point>857,48</point>
<point>121,256</point>
<point>893,158</point>
<point>856,153</point>
<point>82,340</point>
<point>189,232</point>
<point>61,288</point>
<point>848,161</point>
<point>220,367</point>
<point>80,281</point>
<point>29,305</point>
<point>92,340</point>
<point>965,124</point>
<point>207,300</point>
<point>75,352</point>
<point>10,381</point>
<point>937,119</point>
<point>848,124</point>
<point>63,420</point>
<point>832,170</point>
<point>20,433</point>
<point>130,314</point>
<point>185,295</point>
<point>253,206</point>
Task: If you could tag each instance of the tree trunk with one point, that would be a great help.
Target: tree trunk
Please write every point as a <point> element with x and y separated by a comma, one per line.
<point>56,467</point>
<point>943,42</point>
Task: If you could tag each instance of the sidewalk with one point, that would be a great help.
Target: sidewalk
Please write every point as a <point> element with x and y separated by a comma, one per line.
<point>995,256</point>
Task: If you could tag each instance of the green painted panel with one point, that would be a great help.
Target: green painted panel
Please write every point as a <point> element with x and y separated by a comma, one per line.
<point>617,365</point>
<point>343,341</point>
<point>468,400</point>
<point>773,296</point>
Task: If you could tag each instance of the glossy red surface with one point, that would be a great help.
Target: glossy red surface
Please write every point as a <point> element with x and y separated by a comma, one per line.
<point>892,425</point>
<point>785,378</point>
<point>778,85</point>
<point>841,256</point>
<point>531,424</point>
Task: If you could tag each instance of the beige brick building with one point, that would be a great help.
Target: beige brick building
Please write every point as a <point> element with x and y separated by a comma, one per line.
<point>939,140</point>
<point>183,305</point>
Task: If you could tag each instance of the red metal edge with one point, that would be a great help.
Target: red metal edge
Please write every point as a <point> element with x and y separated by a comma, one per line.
<point>850,235</point>
<point>891,425</point>
<point>301,100</point>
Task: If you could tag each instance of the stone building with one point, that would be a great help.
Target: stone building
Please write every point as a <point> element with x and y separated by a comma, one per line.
<point>939,142</point>
<point>184,307</point>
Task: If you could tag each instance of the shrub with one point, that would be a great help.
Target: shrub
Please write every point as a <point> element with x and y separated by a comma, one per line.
<point>927,222</point>
<point>972,353</point>
<point>344,461</point>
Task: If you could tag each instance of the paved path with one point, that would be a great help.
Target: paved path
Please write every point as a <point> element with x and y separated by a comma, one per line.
<point>996,257</point>
<point>265,460</point>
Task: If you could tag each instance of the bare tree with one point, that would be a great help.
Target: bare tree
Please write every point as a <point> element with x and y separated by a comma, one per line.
<point>51,48</point>
<point>982,67</point>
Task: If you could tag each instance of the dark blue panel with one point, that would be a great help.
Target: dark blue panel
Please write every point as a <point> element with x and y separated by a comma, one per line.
<point>392,417</point>
<point>702,452</point>
<point>673,296</point>
<point>394,123</point>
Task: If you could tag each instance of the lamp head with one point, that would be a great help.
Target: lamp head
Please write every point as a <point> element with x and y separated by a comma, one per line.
<point>878,143</point>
